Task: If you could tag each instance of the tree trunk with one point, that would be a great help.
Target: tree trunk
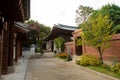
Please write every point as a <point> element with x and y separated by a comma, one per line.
<point>100,53</point>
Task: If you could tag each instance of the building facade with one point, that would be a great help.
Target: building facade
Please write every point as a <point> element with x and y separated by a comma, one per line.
<point>11,34</point>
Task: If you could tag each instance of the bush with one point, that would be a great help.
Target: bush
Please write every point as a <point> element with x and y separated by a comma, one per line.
<point>42,51</point>
<point>62,55</point>
<point>116,68</point>
<point>55,51</point>
<point>114,60</point>
<point>89,60</point>
<point>37,50</point>
<point>78,62</point>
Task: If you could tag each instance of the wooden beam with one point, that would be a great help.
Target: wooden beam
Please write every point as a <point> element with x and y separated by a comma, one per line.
<point>21,9</point>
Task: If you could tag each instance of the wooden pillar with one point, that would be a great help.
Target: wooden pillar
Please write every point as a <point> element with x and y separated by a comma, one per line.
<point>17,49</point>
<point>1,41</point>
<point>11,45</point>
<point>52,46</point>
<point>1,45</point>
<point>20,48</point>
<point>5,48</point>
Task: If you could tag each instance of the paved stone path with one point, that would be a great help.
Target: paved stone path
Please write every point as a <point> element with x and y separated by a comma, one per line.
<point>49,68</point>
<point>20,68</point>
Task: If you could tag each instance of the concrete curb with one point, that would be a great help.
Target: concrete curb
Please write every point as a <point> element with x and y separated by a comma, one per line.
<point>26,69</point>
<point>106,77</point>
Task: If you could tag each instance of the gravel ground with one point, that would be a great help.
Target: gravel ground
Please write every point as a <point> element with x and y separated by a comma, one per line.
<point>49,68</point>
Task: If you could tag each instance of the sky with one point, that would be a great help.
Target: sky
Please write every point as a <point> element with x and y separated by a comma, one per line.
<point>50,12</point>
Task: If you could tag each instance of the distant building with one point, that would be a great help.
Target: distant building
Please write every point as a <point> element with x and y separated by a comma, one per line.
<point>59,30</point>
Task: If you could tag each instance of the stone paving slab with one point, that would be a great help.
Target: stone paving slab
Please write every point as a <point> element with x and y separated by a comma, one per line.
<point>55,69</point>
<point>49,68</point>
<point>19,74</point>
<point>20,68</point>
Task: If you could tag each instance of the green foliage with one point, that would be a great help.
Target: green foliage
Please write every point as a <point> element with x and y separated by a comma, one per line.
<point>44,31</point>
<point>40,43</point>
<point>100,27</point>
<point>114,15</point>
<point>38,50</point>
<point>104,69</point>
<point>37,31</point>
<point>83,13</point>
<point>88,60</point>
<point>114,60</point>
<point>114,12</point>
<point>59,44</point>
<point>42,51</point>
<point>55,51</point>
<point>116,29</point>
<point>97,33</point>
<point>116,68</point>
<point>79,41</point>
<point>78,62</point>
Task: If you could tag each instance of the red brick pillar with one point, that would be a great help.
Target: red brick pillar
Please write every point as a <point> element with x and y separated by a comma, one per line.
<point>11,45</point>
<point>5,48</point>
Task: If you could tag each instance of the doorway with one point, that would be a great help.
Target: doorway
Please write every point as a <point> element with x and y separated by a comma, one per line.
<point>78,46</point>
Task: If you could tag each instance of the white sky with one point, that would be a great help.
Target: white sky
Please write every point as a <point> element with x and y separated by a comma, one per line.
<point>50,12</point>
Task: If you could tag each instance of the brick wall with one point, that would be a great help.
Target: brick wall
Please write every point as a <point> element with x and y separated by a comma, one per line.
<point>72,47</point>
<point>110,53</point>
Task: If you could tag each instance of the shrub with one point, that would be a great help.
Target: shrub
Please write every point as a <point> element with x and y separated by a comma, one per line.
<point>89,60</point>
<point>114,60</point>
<point>78,62</point>
<point>116,68</point>
<point>42,51</point>
<point>55,51</point>
<point>62,55</point>
<point>37,50</point>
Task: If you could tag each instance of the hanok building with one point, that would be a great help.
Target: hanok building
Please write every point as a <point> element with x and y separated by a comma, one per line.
<point>57,31</point>
<point>12,31</point>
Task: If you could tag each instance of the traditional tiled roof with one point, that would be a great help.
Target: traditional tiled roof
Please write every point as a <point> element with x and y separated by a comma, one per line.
<point>22,26</point>
<point>72,28</point>
<point>60,30</point>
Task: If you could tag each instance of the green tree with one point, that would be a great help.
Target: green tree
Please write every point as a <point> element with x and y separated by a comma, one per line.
<point>38,31</point>
<point>83,13</point>
<point>114,15</point>
<point>34,30</point>
<point>97,33</point>
<point>44,31</point>
<point>59,44</point>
